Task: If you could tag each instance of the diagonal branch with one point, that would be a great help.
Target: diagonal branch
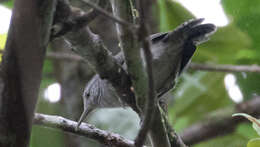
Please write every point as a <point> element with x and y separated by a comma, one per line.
<point>110,16</point>
<point>89,131</point>
<point>68,18</point>
<point>92,49</point>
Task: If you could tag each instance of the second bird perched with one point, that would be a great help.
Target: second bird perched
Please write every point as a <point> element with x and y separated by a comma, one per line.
<point>171,51</point>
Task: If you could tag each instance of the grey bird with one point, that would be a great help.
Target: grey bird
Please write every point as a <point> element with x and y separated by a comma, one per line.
<point>171,51</point>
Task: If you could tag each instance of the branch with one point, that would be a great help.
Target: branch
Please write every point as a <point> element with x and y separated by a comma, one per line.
<point>143,33</point>
<point>225,68</point>
<point>201,131</point>
<point>174,138</point>
<point>87,130</point>
<point>193,66</point>
<point>69,18</point>
<point>110,16</point>
<point>64,56</point>
<point>131,49</point>
<point>220,125</point>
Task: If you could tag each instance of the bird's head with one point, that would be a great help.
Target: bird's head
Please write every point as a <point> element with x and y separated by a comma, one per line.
<point>91,98</point>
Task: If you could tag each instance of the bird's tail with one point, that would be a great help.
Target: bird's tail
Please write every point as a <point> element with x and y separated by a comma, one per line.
<point>194,31</point>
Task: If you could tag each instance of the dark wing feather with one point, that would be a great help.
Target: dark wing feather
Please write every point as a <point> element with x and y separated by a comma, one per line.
<point>196,35</point>
<point>188,51</point>
<point>158,37</point>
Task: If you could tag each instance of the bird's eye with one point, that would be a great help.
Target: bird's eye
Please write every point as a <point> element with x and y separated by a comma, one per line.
<point>87,94</point>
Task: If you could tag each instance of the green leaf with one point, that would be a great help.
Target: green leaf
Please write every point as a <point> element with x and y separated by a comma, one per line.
<point>249,84</point>
<point>245,129</point>
<point>245,14</point>
<point>3,38</point>
<point>197,95</point>
<point>8,3</point>
<point>254,142</point>
<point>172,14</point>
<point>230,140</point>
<point>224,46</point>
<point>256,122</point>
<point>256,126</point>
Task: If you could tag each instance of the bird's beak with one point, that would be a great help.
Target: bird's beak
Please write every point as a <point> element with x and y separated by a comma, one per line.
<point>83,116</point>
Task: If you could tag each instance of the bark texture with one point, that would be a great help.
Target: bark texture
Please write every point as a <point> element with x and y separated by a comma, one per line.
<point>21,69</point>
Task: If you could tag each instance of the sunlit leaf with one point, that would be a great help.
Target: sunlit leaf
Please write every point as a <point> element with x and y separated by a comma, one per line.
<point>254,142</point>
<point>2,40</point>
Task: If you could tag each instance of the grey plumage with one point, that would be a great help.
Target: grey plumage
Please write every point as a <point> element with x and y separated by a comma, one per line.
<point>171,51</point>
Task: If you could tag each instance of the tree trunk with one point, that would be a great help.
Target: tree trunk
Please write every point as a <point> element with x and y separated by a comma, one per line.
<point>22,67</point>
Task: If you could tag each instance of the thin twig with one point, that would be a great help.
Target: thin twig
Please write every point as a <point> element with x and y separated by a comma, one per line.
<point>110,16</point>
<point>151,96</point>
<point>69,18</point>
<point>225,68</point>
<point>87,130</point>
<point>193,66</point>
<point>64,56</point>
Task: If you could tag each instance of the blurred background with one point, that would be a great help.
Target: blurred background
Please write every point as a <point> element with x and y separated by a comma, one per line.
<point>198,94</point>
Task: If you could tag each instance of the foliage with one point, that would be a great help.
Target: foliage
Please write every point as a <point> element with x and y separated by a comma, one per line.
<point>2,40</point>
<point>8,3</point>
<point>256,125</point>
<point>246,16</point>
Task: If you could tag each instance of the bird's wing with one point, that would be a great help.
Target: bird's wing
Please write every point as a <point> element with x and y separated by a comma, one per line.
<point>157,37</point>
<point>188,51</point>
<point>181,43</point>
<point>195,35</point>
